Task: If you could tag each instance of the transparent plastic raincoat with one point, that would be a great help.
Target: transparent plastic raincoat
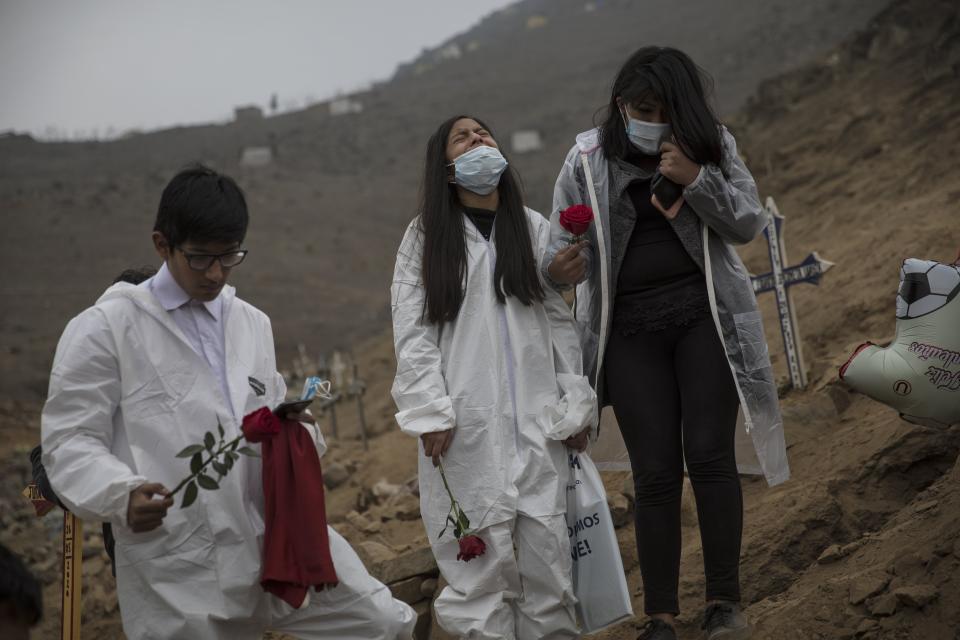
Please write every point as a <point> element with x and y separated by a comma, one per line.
<point>721,208</point>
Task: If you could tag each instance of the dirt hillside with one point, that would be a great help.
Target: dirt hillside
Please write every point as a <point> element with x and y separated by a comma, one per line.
<point>860,151</point>
<point>328,213</point>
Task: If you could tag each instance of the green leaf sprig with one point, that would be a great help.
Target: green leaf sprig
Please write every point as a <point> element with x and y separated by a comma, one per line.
<point>456,515</point>
<point>221,454</point>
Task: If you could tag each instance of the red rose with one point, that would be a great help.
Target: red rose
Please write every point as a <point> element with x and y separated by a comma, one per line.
<point>261,425</point>
<point>470,548</point>
<point>576,219</point>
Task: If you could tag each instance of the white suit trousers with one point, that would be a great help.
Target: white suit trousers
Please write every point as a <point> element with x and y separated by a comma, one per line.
<point>362,609</point>
<point>520,589</point>
<point>359,608</point>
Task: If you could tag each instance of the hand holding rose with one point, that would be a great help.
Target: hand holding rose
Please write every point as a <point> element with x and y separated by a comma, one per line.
<point>144,513</point>
<point>435,444</point>
<point>569,266</point>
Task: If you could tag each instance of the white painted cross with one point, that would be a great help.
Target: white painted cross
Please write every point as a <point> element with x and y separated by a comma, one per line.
<point>779,280</point>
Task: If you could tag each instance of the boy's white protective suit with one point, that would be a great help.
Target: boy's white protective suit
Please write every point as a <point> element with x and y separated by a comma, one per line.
<point>127,392</point>
<point>508,378</point>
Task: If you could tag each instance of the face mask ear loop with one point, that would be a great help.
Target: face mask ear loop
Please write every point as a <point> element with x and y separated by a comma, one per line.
<point>316,387</point>
<point>324,390</point>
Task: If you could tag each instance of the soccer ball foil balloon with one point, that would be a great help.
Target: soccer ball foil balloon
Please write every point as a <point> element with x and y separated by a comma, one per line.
<point>919,373</point>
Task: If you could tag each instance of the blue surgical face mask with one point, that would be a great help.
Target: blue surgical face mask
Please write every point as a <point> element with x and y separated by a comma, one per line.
<point>646,136</point>
<point>479,169</point>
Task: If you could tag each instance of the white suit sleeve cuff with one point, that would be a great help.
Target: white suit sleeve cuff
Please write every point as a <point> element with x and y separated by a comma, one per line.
<point>119,516</point>
<point>434,416</point>
<point>576,410</point>
<point>113,502</point>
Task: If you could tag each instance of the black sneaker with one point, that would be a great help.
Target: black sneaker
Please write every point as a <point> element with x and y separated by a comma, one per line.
<point>725,621</point>
<point>656,629</point>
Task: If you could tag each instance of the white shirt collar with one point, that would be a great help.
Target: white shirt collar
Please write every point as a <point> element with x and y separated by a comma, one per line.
<point>171,295</point>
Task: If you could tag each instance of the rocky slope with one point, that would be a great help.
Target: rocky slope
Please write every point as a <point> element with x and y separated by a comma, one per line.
<point>328,213</point>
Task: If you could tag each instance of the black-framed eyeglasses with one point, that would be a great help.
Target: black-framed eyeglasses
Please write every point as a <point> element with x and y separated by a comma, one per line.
<point>203,261</point>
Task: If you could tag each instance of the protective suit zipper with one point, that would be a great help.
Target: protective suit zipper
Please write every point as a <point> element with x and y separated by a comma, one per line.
<point>508,351</point>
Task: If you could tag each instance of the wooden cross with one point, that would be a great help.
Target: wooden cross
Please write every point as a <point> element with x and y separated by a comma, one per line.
<point>357,388</point>
<point>72,573</point>
<point>779,280</point>
<point>72,563</point>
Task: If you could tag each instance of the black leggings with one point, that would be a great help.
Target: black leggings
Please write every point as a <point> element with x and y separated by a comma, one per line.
<point>674,397</point>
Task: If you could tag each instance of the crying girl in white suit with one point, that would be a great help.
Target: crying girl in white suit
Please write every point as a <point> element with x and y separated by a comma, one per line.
<point>489,378</point>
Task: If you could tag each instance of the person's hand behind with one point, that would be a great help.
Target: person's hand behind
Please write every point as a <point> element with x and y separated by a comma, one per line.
<point>436,443</point>
<point>579,441</point>
<point>144,512</point>
<point>303,416</point>
<point>569,266</point>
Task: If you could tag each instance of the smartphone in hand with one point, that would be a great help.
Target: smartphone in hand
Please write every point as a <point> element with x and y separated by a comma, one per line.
<point>666,190</point>
<point>291,406</point>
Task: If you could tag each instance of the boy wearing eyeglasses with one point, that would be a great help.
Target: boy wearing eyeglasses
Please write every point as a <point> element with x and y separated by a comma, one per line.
<point>143,374</point>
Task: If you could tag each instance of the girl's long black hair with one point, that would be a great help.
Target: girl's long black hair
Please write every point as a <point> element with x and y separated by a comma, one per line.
<point>671,78</point>
<point>444,269</point>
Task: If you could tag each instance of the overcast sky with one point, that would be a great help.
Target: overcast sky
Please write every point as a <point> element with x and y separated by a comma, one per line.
<point>81,65</point>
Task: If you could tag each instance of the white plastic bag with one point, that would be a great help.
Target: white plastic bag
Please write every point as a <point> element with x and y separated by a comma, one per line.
<point>598,579</point>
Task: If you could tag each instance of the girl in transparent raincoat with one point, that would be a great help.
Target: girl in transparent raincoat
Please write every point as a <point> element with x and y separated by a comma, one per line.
<point>667,317</point>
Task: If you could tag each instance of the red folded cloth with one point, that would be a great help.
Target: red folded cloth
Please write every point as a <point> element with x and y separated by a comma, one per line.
<point>296,550</point>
